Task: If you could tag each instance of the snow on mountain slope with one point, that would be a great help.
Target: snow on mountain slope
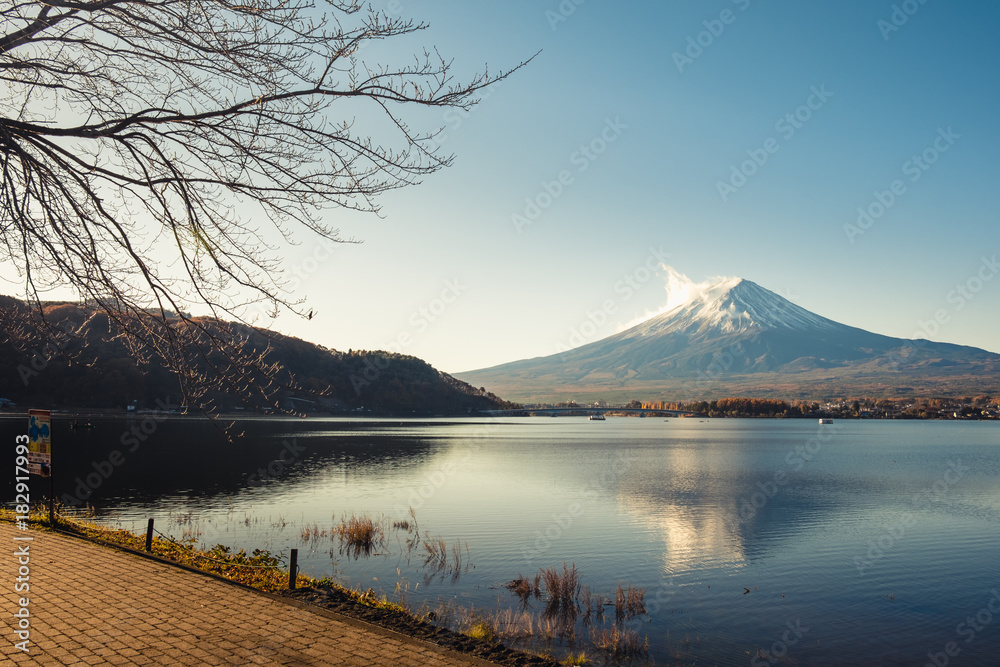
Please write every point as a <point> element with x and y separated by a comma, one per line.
<point>734,331</point>
<point>732,306</point>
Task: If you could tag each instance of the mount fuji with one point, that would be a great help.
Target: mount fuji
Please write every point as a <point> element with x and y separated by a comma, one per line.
<point>737,338</point>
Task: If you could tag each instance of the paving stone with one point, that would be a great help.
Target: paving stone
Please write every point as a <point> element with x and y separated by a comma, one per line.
<point>93,605</point>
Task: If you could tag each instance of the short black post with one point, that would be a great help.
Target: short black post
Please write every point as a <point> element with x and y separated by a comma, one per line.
<point>293,567</point>
<point>149,536</point>
<point>52,499</point>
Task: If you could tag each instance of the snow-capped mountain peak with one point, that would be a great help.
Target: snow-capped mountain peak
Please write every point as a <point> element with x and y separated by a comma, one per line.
<point>732,305</point>
<point>731,335</point>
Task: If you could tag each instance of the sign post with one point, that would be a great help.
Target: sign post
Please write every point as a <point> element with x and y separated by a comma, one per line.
<point>40,452</point>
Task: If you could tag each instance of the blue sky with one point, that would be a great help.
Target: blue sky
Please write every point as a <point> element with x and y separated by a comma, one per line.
<point>645,111</point>
<point>670,128</point>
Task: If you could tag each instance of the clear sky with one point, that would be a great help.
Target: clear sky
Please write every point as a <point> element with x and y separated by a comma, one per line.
<point>722,137</point>
<point>671,121</point>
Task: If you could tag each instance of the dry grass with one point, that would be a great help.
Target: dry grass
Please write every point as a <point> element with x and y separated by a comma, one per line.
<point>312,533</point>
<point>567,599</point>
<point>481,630</point>
<point>514,625</point>
<point>436,551</point>
<point>561,608</point>
<point>408,525</point>
<point>562,587</point>
<point>439,564</point>
<point>360,535</point>
<point>258,569</point>
<point>557,627</point>
<point>525,589</point>
<point>620,642</point>
<point>588,601</point>
<point>506,625</point>
<point>412,530</point>
<point>630,602</point>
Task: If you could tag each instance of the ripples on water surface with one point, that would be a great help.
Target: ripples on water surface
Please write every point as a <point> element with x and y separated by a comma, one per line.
<point>874,551</point>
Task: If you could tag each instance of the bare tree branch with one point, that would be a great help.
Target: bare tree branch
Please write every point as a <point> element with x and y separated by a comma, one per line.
<point>147,145</point>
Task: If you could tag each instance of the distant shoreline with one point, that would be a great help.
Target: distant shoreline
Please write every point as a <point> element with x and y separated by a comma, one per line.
<point>81,413</point>
<point>110,413</point>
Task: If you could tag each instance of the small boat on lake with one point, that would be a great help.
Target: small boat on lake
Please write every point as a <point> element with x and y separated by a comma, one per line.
<point>825,421</point>
<point>597,418</point>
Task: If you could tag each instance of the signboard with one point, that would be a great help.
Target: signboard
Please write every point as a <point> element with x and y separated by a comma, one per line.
<point>39,443</point>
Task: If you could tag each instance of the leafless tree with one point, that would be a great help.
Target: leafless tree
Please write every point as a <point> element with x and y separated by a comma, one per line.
<point>148,147</point>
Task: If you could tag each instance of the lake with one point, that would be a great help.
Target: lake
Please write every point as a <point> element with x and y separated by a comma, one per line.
<point>762,542</point>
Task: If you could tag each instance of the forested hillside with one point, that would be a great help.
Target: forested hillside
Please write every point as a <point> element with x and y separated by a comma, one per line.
<point>90,367</point>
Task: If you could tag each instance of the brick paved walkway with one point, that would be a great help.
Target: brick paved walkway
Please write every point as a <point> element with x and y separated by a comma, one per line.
<point>93,605</point>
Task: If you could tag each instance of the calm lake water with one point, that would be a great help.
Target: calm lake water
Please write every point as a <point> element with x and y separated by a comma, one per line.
<point>862,542</point>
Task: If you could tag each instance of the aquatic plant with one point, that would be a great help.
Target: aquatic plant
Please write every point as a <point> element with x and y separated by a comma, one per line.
<point>563,587</point>
<point>630,602</point>
<point>524,588</point>
<point>620,642</point>
<point>576,660</point>
<point>438,563</point>
<point>359,535</point>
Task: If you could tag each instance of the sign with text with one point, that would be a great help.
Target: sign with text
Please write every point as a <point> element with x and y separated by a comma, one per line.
<point>39,443</point>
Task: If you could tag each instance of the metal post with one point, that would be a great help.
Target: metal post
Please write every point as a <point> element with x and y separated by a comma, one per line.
<point>293,568</point>
<point>52,484</point>
<point>149,535</point>
<point>52,498</point>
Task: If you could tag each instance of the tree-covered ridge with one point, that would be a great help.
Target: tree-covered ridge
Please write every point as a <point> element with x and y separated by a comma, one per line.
<point>733,407</point>
<point>963,407</point>
<point>91,367</point>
